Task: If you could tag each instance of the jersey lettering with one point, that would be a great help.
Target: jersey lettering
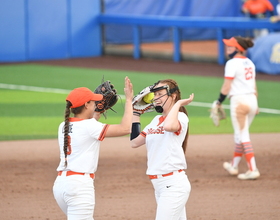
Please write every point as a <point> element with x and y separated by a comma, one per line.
<point>69,148</point>
<point>248,73</point>
<point>159,130</point>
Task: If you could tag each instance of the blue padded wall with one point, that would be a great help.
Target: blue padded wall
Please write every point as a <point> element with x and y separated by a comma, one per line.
<point>49,29</point>
<point>12,30</point>
<point>84,28</point>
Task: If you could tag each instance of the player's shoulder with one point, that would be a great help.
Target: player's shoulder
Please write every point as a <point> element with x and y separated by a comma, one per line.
<point>232,62</point>
<point>183,117</point>
<point>236,61</point>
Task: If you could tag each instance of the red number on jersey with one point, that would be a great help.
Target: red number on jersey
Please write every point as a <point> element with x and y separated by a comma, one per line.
<point>248,73</point>
<point>69,149</point>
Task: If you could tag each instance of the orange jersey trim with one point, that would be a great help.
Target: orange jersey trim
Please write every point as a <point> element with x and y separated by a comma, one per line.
<point>103,132</point>
<point>227,77</point>
<point>240,57</point>
<point>179,130</point>
<point>75,119</point>
<point>161,119</point>
<point>143,134</point>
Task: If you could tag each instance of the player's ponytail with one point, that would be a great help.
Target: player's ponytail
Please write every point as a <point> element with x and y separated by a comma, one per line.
<point>66,130</point>
<point>244,42</point>
<point>172,85</point>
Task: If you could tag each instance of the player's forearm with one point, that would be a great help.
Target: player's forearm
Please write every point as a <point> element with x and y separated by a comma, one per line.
<point>226,86</point>
<point>171,123</point>
<point>124,127</point>
<point>126,121</point>
<point>136,117</point>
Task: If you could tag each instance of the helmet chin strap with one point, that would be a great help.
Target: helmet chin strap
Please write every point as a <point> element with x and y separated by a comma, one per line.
<point>233,54</point>
<point>159,109</point>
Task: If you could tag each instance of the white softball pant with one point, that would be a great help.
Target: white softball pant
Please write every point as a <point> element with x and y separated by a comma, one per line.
<point>172,193</point>
<point>75,196</point>
<point>243,109</point>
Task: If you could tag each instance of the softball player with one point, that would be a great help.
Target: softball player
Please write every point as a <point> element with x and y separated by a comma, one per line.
<point>166,138</point>
<point>240,86</point>
<point>79,140</point>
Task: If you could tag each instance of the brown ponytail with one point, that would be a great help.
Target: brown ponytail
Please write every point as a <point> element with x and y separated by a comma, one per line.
<point>66,130</point>
<point>244,42</point>
<point>75,111</point>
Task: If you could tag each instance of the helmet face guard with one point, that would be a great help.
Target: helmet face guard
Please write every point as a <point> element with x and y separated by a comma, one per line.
<point>153,89</point>
<point>169,91</point>
<point>159,109</point>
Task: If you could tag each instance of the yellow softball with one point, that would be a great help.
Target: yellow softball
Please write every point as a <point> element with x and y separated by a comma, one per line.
<point>148,98</point>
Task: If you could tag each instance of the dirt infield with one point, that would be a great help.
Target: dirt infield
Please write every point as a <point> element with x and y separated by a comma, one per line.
<point>123,191</point>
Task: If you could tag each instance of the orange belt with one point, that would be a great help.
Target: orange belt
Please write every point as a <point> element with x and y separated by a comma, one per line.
<point>162,175</point>
<point>69,173</point>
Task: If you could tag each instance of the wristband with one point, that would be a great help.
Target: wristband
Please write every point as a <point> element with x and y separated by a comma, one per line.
<point>135,130</point>
<point>137,114</point>
<point>221,98</point>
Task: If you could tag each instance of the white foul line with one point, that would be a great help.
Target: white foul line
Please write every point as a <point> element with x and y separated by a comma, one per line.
<point>65,91</point>
<point>33,88</point>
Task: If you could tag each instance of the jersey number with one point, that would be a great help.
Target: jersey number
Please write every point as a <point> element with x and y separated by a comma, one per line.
<point>248,73</point>
<point>69,149</point>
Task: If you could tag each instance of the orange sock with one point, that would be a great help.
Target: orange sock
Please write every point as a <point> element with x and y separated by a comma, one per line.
<point>238,151</point>
<point>249,155</point>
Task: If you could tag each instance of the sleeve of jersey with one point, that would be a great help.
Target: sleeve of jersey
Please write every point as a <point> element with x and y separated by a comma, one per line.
<point>230,70</point>
<point>183,121</point>
<point>103,132</point>
<point>143,134</point>
<point>180,129</point>
<point>97,129</point>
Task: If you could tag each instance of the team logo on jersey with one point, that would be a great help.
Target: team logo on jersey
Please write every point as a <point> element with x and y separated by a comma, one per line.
<point>275,55</point>
<point>70,128</point>
<point>159,130</point>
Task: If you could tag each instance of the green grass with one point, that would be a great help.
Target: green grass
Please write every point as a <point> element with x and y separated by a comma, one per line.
<point>36,115</point>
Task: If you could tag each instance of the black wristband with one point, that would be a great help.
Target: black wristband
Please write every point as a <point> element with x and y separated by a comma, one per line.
<point>137,114</point>
<point>135,130</point>
<point>221,98</point>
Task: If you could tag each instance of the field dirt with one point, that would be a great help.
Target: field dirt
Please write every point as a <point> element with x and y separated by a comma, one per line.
<point>123,191</point>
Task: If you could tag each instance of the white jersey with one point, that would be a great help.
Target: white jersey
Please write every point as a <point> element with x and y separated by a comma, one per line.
<point>85,136</point>
<point>242,71</point>
<point>164,149</point>
<point>278,9</point>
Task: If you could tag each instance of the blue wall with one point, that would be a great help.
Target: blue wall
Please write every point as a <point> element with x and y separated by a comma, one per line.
<point>186,8</point>
<point>48,29</point>
<point>59,29</point>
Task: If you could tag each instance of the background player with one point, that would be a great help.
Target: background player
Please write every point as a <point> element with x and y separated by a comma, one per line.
<point>79,140</point>
<point>240,86</point>
<point>258,9</point>
<point>166,139</point>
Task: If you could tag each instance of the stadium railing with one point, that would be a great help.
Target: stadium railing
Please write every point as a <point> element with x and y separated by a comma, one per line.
<point>219,23</point>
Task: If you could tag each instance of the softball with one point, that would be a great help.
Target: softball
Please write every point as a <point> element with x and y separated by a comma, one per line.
<point>148,98</point>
